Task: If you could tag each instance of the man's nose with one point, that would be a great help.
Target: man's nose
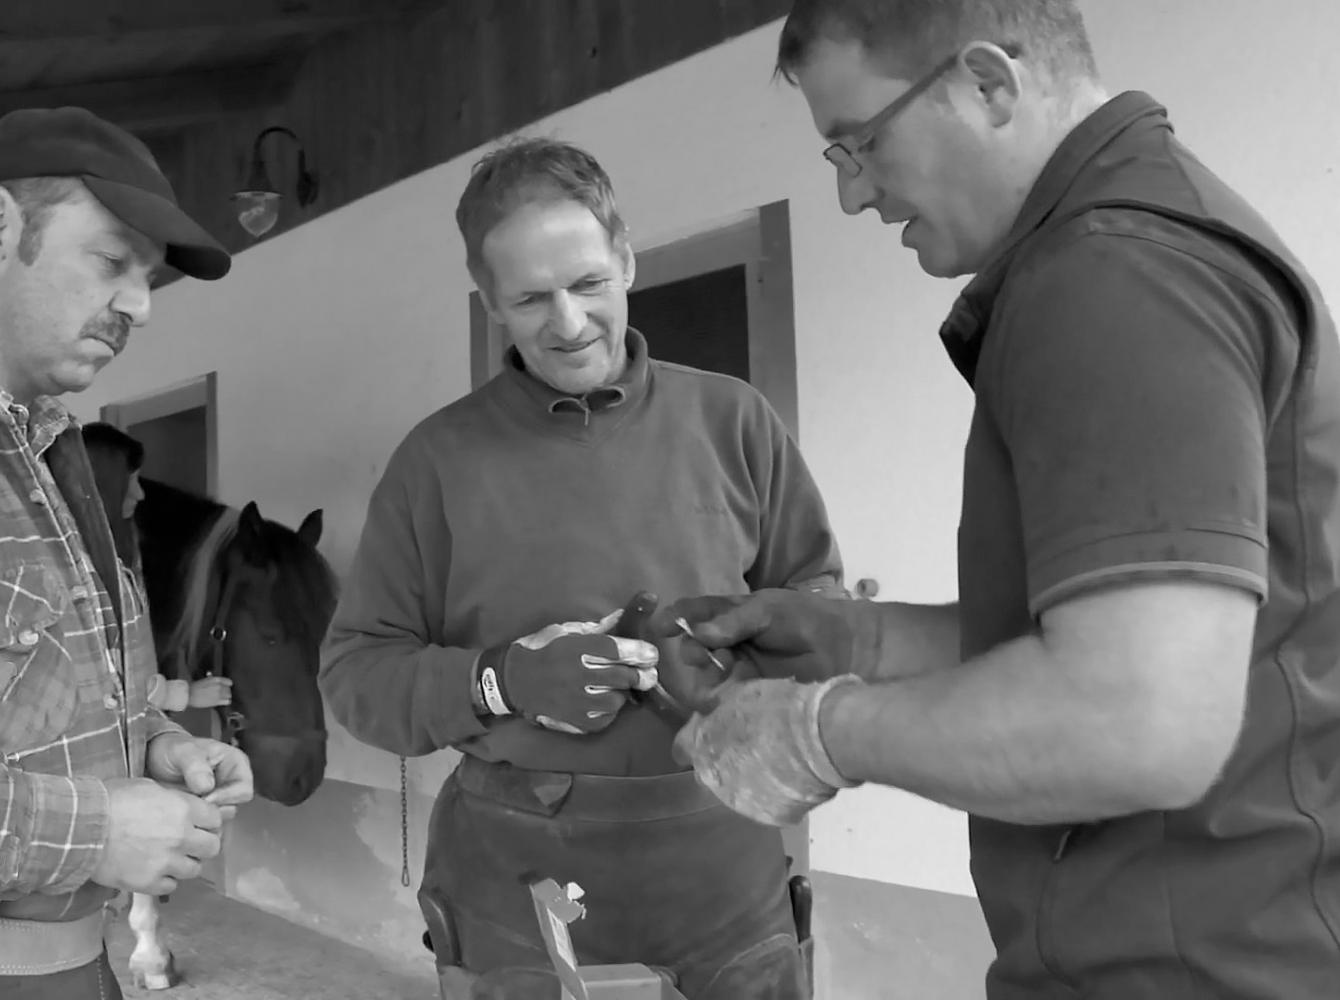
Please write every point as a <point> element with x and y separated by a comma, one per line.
<point>132,302</point>
<point>568,319</point>
<point>855,194</point>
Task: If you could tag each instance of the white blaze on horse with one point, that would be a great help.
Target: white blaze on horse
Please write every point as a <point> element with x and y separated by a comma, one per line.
<point>230,595</point>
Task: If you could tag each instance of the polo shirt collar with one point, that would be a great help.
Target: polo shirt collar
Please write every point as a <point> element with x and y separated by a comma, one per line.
<point>967,322</point>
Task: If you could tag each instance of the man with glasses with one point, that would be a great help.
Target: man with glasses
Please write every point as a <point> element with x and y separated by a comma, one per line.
<point>1136,697</point>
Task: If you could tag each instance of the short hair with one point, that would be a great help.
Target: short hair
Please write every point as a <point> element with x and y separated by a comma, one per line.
<point>37,198</point>
<point>922,33</point>
<point>528,170</point>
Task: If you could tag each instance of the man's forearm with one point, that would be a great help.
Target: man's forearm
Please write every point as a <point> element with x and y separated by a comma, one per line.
<point>902,640</point>
<point>1013,735</point>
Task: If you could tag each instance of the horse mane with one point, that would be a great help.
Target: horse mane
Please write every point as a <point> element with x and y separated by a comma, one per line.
<point>305,587</point>
<point>198,571</point>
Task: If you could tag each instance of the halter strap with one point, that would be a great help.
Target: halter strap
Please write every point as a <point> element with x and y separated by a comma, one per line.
<point>231,721</point>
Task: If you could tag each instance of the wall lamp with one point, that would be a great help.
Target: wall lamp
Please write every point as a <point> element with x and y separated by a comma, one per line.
<point>257,204</point>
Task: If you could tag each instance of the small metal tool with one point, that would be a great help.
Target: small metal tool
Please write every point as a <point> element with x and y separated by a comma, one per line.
<point>688,631</point>
<point>670,700</point>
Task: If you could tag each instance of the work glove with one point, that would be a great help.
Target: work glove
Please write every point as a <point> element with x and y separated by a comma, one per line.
<point>760,750</point>
<point>682,688</point>
<point>777,633</point>
<point>571,677</point>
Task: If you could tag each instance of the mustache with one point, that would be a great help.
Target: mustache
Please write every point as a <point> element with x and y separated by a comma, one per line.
<point>113,331</point>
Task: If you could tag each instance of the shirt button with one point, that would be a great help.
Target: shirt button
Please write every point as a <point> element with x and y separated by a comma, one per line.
<point>79,592</point>
<point>111,701</point>
<point>27,637</point>
<point>38,497</point>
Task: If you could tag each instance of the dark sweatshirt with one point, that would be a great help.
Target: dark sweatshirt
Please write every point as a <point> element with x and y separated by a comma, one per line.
<point>517,506</point>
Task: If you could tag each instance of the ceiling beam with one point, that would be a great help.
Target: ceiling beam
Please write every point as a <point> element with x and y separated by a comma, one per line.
<point>166,103</point>
<point>68,19</point>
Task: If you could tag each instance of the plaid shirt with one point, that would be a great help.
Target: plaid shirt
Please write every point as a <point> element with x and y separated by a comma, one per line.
<point>74,677</point>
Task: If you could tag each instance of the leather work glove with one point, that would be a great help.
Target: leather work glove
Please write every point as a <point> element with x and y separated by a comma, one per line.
<point>777,633</point>
<point>760,750</point>
<point>571,677</point>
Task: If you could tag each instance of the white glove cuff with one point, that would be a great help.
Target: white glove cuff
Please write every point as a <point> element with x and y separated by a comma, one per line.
<point>491,691</point>
<point>816,753</point>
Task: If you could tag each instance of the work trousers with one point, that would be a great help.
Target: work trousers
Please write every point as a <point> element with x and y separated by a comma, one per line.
<point>672,878</point>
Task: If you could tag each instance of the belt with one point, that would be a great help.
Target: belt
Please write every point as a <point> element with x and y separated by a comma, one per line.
<point>41,947</point>
<point>596,797</point>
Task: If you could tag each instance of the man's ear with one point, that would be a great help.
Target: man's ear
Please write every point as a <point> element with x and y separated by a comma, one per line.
<point>484,285</point>
<point>11,229</point>
<point>996,78</point>
<point>490,306</point>
<point>629,263</point>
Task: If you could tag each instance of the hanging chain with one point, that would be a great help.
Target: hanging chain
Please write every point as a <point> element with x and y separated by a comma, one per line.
<point>404,827</point>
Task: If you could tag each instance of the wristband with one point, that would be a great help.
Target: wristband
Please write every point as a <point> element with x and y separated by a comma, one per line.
<point>490,686</point>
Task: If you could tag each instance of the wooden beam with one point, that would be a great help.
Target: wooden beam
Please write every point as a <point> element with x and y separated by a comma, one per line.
<point>165,103</point>
<point>27,20</point>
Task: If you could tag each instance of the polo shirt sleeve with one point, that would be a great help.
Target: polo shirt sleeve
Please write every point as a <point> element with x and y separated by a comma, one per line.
<point>1130,400</point>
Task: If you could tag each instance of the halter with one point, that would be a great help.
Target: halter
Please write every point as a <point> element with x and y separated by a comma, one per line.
<point>232,721</point>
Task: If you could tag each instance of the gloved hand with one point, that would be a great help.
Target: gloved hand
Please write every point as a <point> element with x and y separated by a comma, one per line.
<point>571,677</point>
<point>777,633</point>
<point>688,686</point>
<point>760,750</point>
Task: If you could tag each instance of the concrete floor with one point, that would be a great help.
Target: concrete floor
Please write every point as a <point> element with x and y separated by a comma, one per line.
<point>226,950</point>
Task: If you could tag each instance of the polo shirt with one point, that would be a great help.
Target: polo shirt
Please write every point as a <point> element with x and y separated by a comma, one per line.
<point>1157,385</point>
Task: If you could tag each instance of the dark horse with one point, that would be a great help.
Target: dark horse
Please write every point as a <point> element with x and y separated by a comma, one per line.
<point>234,595</point>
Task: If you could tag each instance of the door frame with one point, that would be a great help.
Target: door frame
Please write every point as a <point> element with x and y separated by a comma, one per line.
<point>176,398</point>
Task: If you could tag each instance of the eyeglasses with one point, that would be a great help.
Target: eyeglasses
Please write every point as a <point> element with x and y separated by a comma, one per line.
<point>842,153</point>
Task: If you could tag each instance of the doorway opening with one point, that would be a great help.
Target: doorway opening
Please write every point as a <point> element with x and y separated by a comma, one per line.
<point>178,427</point>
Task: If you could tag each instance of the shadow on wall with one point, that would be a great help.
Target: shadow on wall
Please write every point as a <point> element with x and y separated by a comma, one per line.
<point>877,941</point>
<point>334,864</point>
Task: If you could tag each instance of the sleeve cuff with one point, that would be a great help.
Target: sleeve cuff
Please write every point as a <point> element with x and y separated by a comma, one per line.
<point>1218,556</point>
<point>450,703</point>
<point>61,831</point>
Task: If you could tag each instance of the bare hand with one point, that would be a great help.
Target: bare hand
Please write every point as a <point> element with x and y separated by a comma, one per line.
<point>156,836</point>
<point>211,692</point>
<point>219,773</point>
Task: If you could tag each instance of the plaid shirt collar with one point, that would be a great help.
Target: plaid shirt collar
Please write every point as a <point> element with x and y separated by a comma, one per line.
<point>42,422</point>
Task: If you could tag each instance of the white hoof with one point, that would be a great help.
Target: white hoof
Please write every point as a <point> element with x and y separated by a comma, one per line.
<point>153,975</point>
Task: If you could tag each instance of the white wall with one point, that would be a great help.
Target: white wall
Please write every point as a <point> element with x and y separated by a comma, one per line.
<point>331,341</point>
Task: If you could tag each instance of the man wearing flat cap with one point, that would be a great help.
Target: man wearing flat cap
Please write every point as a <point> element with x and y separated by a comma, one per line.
<point>98,791</point>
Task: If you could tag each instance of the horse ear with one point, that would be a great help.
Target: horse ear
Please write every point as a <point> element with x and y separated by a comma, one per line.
<point>251,534</point>
<point>310,529</point>
<point>250,522</point>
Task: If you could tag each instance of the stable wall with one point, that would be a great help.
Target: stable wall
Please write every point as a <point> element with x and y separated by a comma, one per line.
<point>333,340</point>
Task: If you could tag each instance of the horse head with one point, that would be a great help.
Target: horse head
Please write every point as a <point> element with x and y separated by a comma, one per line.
<point>280,598</point>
